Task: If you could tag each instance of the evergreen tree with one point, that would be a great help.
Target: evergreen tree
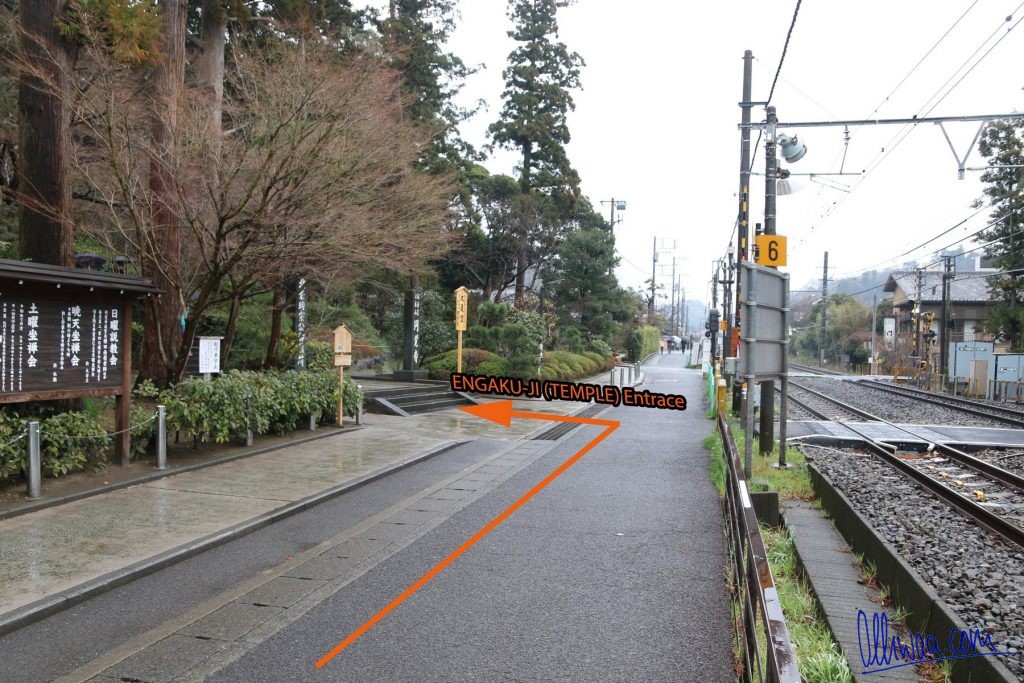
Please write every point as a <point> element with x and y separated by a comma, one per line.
<point>415,32</point>
<point>541,73</point>
<point>1001,144</point>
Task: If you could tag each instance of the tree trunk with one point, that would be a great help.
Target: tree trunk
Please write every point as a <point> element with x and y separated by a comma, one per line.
<point>162,263</point>
<point>522,237</point>
<point>210,67</point>
<point>276,316</point>
<point>229,331</point>
<point>45,223</point>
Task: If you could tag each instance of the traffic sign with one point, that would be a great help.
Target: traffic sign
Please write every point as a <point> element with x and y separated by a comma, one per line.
<point>771,250</point>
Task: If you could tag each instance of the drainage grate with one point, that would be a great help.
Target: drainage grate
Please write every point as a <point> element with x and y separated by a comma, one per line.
<point>563,428</point>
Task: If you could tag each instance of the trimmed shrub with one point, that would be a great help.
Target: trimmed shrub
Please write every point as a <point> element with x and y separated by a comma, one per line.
<point>226,407</point>
<point>13,451</point>
<point>69,442</point>
<point>494,366</point>
<point>644,341</point>
<point>443,365</point>
<point>600,347</point>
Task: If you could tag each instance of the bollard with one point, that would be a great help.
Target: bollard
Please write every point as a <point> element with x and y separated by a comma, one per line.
<point>161,438</point>
<point>34,463</point>
<point>248,426</point>
<point>611,377</point>
<point>312,422</point>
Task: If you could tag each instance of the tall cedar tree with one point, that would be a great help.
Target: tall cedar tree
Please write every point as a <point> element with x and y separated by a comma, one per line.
<point>1001,144</point>
<point>415,31</point>
<point>44,184</point>
<point>541,71</point>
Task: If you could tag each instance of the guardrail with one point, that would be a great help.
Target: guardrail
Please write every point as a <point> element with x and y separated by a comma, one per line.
<point>763,642</point>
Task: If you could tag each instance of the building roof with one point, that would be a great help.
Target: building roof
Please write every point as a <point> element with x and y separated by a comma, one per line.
<point>967,288</point>
<point>26,271</point>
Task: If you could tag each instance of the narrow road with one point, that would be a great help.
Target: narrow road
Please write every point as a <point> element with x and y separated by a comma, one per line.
<point>613,572</point>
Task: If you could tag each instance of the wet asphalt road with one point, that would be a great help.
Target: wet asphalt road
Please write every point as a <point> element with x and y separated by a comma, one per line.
<point>613,572</point>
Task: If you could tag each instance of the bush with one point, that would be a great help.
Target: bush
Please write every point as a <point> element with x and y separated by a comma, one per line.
<point>567,365</point>
<point>13,451</point>
<point>143,429</point>
<point>263,401</point>
<point>68,442</point>
<point>644,341</point>
<point>443,365</point>
<point>572,340</point>
<point>600,347</point>
<point>494,366</point>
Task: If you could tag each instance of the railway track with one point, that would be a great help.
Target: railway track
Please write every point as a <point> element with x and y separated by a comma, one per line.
<point>1000,414</point>
<point>814,370</point>
<point>824,407</point>
<point>983,491</point>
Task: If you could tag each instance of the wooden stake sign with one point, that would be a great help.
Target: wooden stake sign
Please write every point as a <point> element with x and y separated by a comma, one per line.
<point>342,360</point>
<point>461,322</point>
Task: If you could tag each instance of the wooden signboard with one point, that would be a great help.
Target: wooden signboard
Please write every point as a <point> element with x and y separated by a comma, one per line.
<point>461,322</point>
<point>66,333</point>
<point>342,359</point>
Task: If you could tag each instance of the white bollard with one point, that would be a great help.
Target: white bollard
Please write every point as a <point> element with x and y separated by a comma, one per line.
<point>161,438</point>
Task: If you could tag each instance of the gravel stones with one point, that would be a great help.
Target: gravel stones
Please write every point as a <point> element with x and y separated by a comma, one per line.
<point>978,575</point>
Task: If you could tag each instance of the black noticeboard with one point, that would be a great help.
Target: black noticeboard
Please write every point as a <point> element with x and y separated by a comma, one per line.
<point>66,333</point>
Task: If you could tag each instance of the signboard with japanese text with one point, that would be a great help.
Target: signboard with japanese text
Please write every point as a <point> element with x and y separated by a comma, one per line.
<point>209,355</point>
<point>47,345</point>
<point>461,309</point>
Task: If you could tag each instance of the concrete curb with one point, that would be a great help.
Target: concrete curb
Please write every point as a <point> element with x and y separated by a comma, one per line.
<point>36,611</point>
<point>927,612</point>
<point>160,474</point>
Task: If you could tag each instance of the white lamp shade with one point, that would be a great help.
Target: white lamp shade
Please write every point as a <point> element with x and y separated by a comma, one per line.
<point>791,148</point>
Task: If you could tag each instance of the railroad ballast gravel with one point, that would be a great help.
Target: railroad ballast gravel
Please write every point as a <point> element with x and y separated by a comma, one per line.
<point>978,575</point>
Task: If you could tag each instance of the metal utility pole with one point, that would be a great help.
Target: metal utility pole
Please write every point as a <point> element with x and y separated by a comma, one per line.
<point>947,276</point>
<point>824,314</point>
<point>714,307</point>
<point>874,327</point>
<point>766,442</point>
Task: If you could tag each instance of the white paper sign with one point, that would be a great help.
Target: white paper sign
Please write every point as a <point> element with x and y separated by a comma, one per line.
<point>209,355</point>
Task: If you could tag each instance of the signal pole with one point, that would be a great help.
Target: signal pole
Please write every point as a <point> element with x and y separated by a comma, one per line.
<point>824,314</point>
<point>947,275</point>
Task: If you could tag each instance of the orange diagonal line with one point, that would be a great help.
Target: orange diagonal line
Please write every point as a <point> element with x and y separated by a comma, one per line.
<point>610,426</point>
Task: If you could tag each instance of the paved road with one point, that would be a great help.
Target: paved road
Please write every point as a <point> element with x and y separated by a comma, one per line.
<point>614,572</point>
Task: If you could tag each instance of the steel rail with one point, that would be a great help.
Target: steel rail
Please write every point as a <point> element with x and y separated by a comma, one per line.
<point>997,413</point>
<point>809,368</point>
<point>989,520</point>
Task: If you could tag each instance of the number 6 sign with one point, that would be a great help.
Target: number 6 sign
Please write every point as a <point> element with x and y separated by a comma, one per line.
<point>771,250</point>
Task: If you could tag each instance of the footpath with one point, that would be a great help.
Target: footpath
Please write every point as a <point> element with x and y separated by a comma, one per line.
<point>55,557</point>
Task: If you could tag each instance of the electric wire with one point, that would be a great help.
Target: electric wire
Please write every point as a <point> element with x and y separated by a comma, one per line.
<point>924,110</point>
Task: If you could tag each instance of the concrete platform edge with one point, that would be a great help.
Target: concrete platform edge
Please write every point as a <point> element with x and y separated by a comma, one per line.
<point>927,613</point>
<point>23,616</point>
<point>160,474</point>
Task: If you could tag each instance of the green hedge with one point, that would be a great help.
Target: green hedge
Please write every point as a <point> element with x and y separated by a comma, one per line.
<point>644,341</point>
<point>556,365</point>
<point>278,402</point>
<point>68,442</point>
<point>217,409</point>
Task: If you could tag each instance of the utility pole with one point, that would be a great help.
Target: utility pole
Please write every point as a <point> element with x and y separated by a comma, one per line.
<point>874,327</point>
<point>917,322</point>
<point>824,314</point>
<point>767,430</point>
<point>673,305</point>
<point>743,218</point>
<point>654,279</point>
<point>947,276</point>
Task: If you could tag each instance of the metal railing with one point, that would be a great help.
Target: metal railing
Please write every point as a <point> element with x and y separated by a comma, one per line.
<point>762,638</point>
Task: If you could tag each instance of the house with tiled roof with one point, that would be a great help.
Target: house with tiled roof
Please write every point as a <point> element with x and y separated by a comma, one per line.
<point>968,295</point>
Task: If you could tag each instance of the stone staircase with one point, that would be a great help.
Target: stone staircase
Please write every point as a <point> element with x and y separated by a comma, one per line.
<point>412,400</point>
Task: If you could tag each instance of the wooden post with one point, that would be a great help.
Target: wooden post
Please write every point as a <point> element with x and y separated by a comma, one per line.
<point>122,405</point>
<point>342,359</point>
<point>461,321</point>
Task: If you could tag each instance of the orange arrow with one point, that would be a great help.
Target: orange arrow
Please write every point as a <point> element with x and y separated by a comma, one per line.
<point>502,413</point>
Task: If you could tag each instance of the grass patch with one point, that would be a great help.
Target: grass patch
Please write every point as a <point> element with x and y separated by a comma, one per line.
<point>713,443</point>
<point>818,657</point>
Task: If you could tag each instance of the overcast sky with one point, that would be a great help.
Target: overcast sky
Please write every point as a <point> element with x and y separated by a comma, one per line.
<point>656,121</point>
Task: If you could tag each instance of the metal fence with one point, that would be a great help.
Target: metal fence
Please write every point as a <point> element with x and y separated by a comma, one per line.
<point>762,639</point>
